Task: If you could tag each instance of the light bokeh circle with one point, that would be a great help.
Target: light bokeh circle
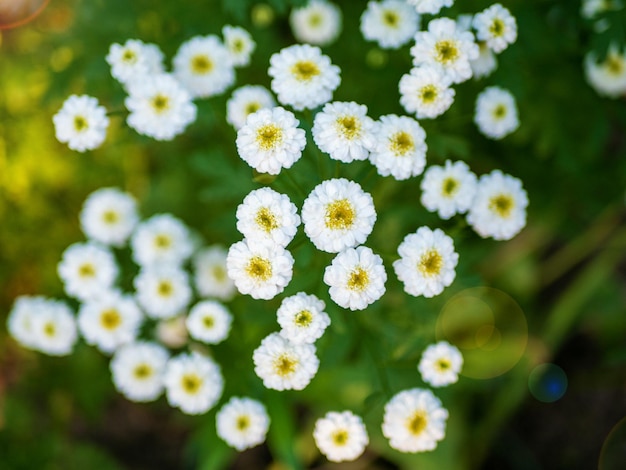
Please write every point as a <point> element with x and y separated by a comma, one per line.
<point>14,13</point>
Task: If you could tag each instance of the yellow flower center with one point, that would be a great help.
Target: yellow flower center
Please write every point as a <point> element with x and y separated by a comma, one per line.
<point>497,28</point>
<point>162,241</point>
<point>614,64</point>
<point>201,64</point>
<point>160,103</point>
<point>50,329</point>
<point>340,437</point>
<point>259,268</point>
<point>339,215</point>
<point>315,19</point>
<point>417,423</point>
<point>502,204</point>
<point>359,280</point>
<point>252,107</point>
<point>110,319</point>
<point>499,111</point>
<point>191,383</point>
<point>243,422</point>
<point>110,217</point>
<point>303,318</point>
<point>269,136</point>
<point>428,94</point>
<point>266,220</point>
<point>349,127</point>
<point>129,56</point>
<point>443,364</point>
<point>80,123</point>
<point>430,263</point>
<point>237,45</point>
<point>391,18</point>
<point>208,321</point>
<point>86,270</point>
<point>219,273</point>
<point>165,289</point>
<point>305,70</point>
<point>446,51</point>
<point>285,365</point>
<point>143,371</point>
<point>449,187</point>
<point>401,143</point>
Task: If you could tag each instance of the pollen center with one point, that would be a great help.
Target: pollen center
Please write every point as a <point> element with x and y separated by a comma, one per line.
<point>237,45</point>
<point>252,107</point>
<point>391,18</point>
<point>614,64</point>
<point>502,204</point>
<point>499,111</point>
<point>305,70</point>
<point>443,364</point>
<point>416,424</point>
<point>266,220</point>
<point>269,136</point>
<point>430,263</point>
<point>208,321</point>
<point>219,273</point>
<point>243,422</point>
<point>339,215</point>
<point>143,371</point>
<point>165,289</point>
<point>315,20</point>
<point>449,187</point>
<point>359,280</point>
<point>497,28</point>
<point>110,319</point>
<point>160,103</point>
<point>50,329</point>
<point>349,127</point>
<point>162,241</point>
<point>259,268</point>
<point>110,217</point>
<point>428,94</point>
<point>191,383</point>
<point>80,123</point>
<point>340,437</point>
<point>446,51</point>
<point>86,270</point>
<point>285,365</point>
<point>402,143</point>
<point>201,64</point>
<point>303,318</point>
<point>129,57</point>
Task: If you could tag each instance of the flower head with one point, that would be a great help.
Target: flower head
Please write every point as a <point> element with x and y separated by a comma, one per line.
<point>440,364</point>
<point>496,26</point>
<point>133,60</point>
<point>81,123</point>
<point>161,239</point>
<point>340,436</point>
<point>302,318</point>
<point>318,22</point>
<point>607,77</point>
<point>426,92</point>
<point>496,113</point>
<point>449,189</point>
<point>53,327</point>
<point>239,44</point>
<point>431,7</point>
<point>163,290</point>
<point>391,23</point>
<point>209,322</point>
<point>211,275</point>
<point>246,100</point>
<point>109,216</point>
<point>137,370</point>
<point>242,423</point>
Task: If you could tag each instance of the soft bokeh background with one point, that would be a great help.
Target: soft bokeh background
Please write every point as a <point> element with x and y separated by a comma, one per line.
<point>557,291</point>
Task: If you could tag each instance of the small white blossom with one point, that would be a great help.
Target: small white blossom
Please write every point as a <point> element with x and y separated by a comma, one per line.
<point>81,123</point>
<point>163,290</point>
<point>242,423</point>
<point>209,322</point>
<point>53,328</point>
<point>20,319</point>
<point>496,26</point>
<point>302,318</point>
<point>211,276</point>
<point>318,22</point>
<point>426,92</point>
<point>449,189</point>
<point>247,100</point>
<point>390,23</point>
<point>496,113</point>
<point>341,436</point>
<point>133,60</point>
<point>486,62</point>
<point>109,216</point>
<point>440,364</point>
<point>137,370</point>
<point>239,44</point>
<point>591,8</point>
<point>431,7</point>
<point>161,239</point>
<point>607,77</point>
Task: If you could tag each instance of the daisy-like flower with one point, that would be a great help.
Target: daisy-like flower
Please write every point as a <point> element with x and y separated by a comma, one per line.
<point>340,436</point>
<point>400,149</point>
<point>302,77</point>
<point>318,22</point>
<point>137,370</point>
<point>259,269</point>
<point>431,7</point>
<point>427,262</point>
<point>449,189</point>
<point>81,123</point>
<point>269,216</point>
<point>210,273</point>
<point>390,23</point>
<point>414,421</point>
<point>486,62</point>
<point>109,216</point>
<point>338,214</point>
<point>87,269</point>
<point>496,113</point>
<point>499,207</point>
<point>163,291</point>
<point>356,278</point>
<point>19,321</point>
<point>239,44</point>
<point>109,321</point>
<point>133,60</point>
<point>53,328</point>
<point>444,45</point>
<point>496,26</point>
<point>271,140</point>
<point>607,77</point>
<point>161,239</point>
<point>242,423</point>
<point>440,364</point>
<point>193,383</point>
<point>425,91</point>
<point>247,100</point>
<point>344,131</point>
<point>283,365</point>
<point>302,318</point>
<point>159,107</point>
<point>209,321</point>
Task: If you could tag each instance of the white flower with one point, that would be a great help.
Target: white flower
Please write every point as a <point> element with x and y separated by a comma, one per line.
<point>496,113</point>
<point>356,278</point>
<point>486,62</point>
<point>159,107</point>
<point>193,383</point>
<point>134,60</point>
<point>242,423</point>
<point>338,214</point>
<point>430,6</point>
<point>414,421</point>
<point>109,216</point>
<point>53,328</point>
<point>318,22</point>
<point>400,149</point>
<point>161,239</point>
<point>211,276</point>
<point>302,77</point>
<point>271,140</point>
<point>499,207</point>
<point>163,290</point>
<point>209,321</point>
<point>344,131</point>
<point>109,321</point>
<point>427,262</point>
<point>203,66</point>
<point>259,269</point>
<point>137,370</point>
<point>247,100</point>
<point>269,216</point>
<point>440,364</point>
<point>425,91</point>
<point>81,123</point>
<point>391,23</point>
<point>446,46</point>
<point>591,8</point>
<point>20,319</point>
<point>496,26</point>
<point>283,365</point>
<point>340,436</point>
<point>302,318</point>
<point>449,189</point>
<point>87,269</point>
<point>607,77</point>
<point>239,44</point>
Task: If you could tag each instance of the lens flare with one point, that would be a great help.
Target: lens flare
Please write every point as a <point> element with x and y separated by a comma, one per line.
<point>613,453</point>
<point>14,13</point>
<point>547,382</point>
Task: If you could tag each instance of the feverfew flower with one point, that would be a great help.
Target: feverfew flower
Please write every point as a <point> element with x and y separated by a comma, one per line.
<point>414,421</point>
<point>344,131</point>
<point>391,23</point>
<point>400,149</point>
<point>53,328</point>
<point>499,207</point>
<point>137,370</point>
<point>203,65</point>
<point>134,60</point>
<point>431,7</point>
<point>425,91</point>
<point>269,216</point>
<point>486,62</point>
<point>159,107</point>
<point>440,364</point>
<point>496,26</point>
<point>338,214</point>
<point>239,43</point>
<point>427,262</point>
<point>496,113</point>
<point>271,140</point>
<point>340,436</point>
<point>161,239</point>
<point>109,216</point>
<point>449,189</point>
<point>163,290</point>
<point>446,46</point>
<point>302,77</point>
<point>247,100</point>
<point>356,278</point>
<point>607,77</point>
<point>302,318</point>
<point>193,383</point>
<point>283,365</point>
<point>210,274</point>
<point>20,319</point>
<point>242,423</point>
<point>209,322</point>
<point>81,123</point>
<point>318,22</point>
<point>260,269</point>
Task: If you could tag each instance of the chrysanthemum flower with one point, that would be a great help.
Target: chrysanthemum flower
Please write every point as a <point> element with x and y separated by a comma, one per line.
<point>302,318</point>
<point>247,100</point>
<point>496,112</point>
<point>209,321</point>
<point>318,22</point>
<point>137,370</point>
<point>19,321</point>
<point>496,26</point>
<point>242,423</point>
<point>81,123</point>
<point>391,23</point>
<point>607,77</point>
<point>162,290</point>
<point>210,273</point>
<point>239,44</point>
<point>109,216</point>
<point>161,239</point>
<point>440,364</point>
<point>426,92</point>
<point>53,328</point>
<point>449,189</point>
<point>133,60</point>
<point>340,436</point>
